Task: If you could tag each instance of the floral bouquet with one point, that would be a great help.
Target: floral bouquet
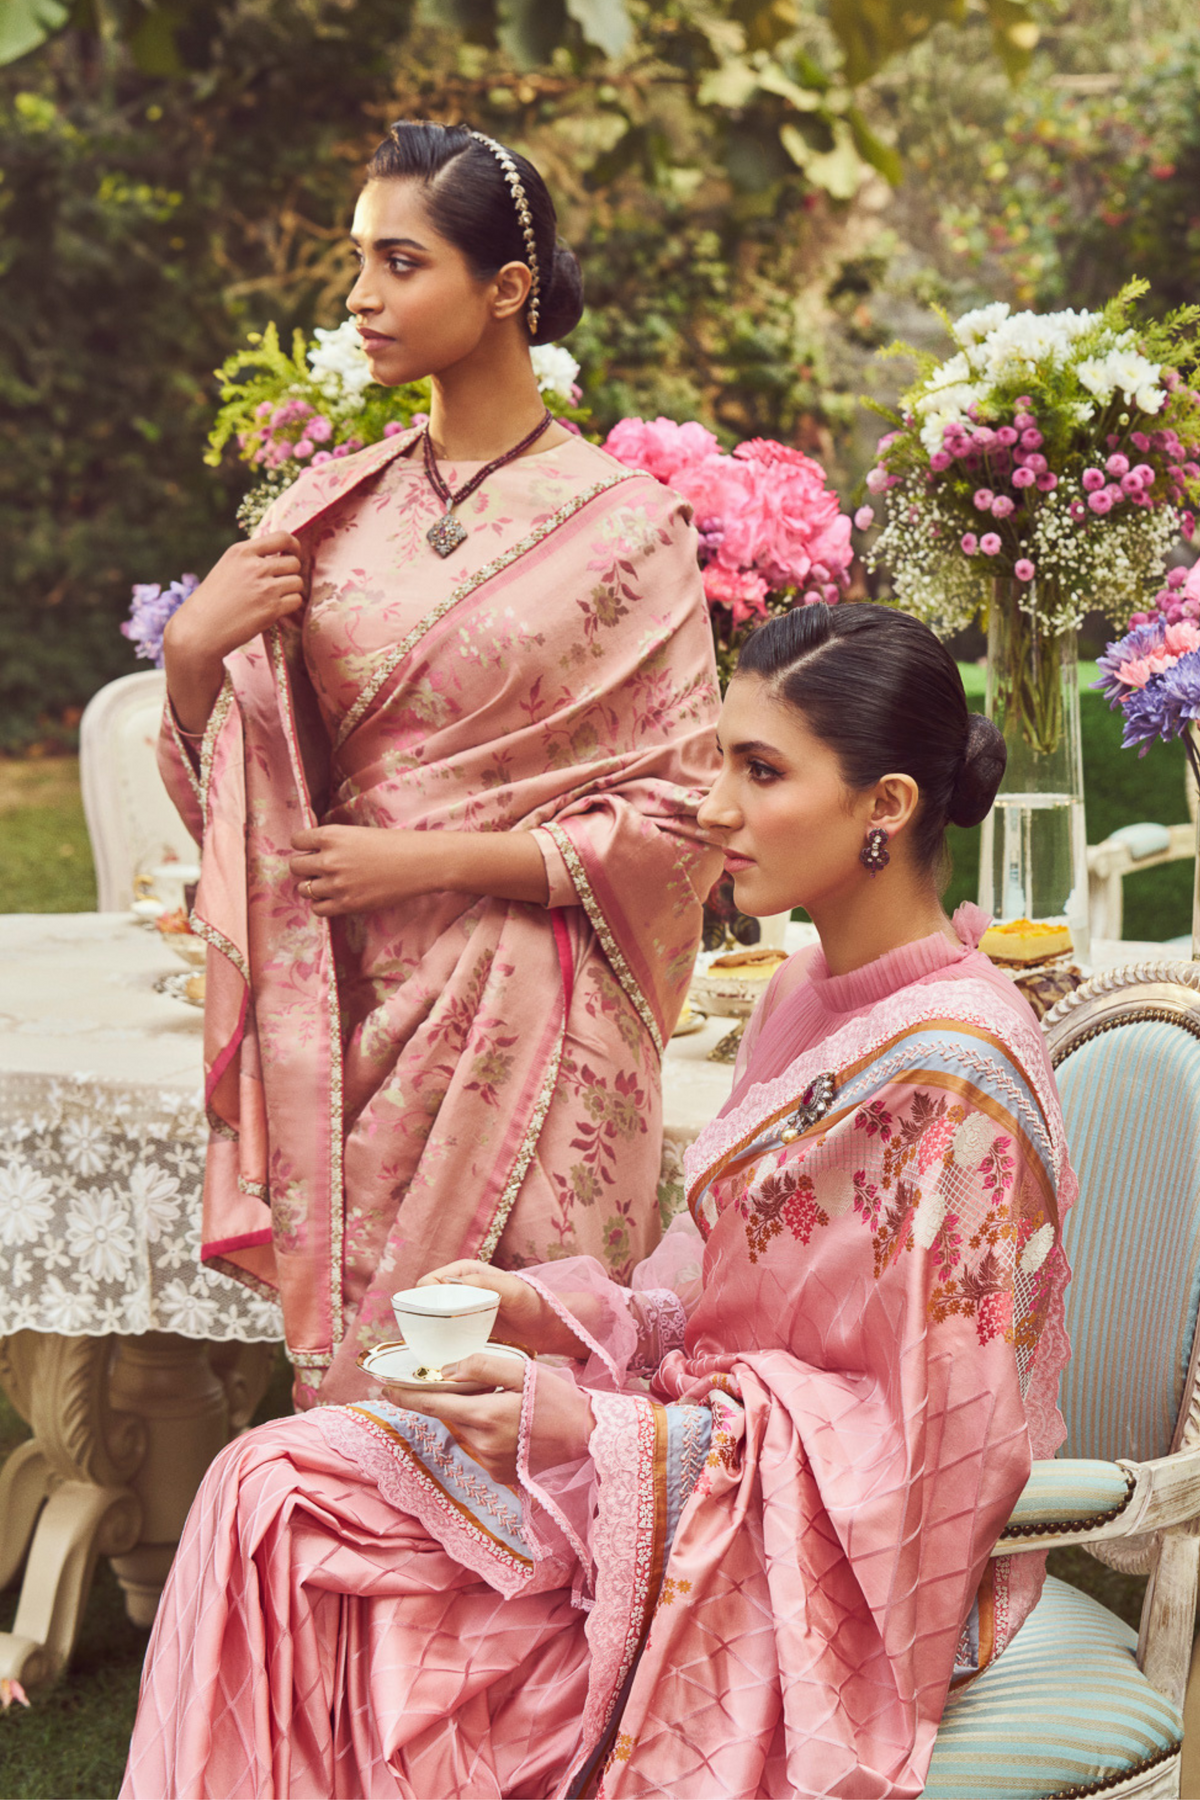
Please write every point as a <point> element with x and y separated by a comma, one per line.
<point>1153,675</point>
<point>287,413</point>
<point>772,533</point>
<point>1054,456</point>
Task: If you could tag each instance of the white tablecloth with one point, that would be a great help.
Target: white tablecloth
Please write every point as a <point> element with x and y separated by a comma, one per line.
<point>102,1135</point>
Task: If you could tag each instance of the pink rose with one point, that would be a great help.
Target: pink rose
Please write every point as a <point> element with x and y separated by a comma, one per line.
<point>1003,507</point>
<point>1036,461</point>
<point>302,449</point>
<point>319,429</point>
<point>1025,421</point>
<point>970,543</point>
<point>743,592</point>
<point>1131,482</point>
<point>1047,482</point>
<point>1140,441</point>
<point>1144,473</point>
<point>989,543</point>
<point>319,457</point>
<point>1100,501</point>
<point>1093,481</point>
<point>1007,436</point>
<point>984,498</point>
<point>1117,464</point>
<point>660,446</point>
<point>1077,511</point>
<point>1023,569</point>
<point>1023,478</point>
<point>878,481</point>
<point>941,459</point>
<point>864,518</point>
<point>1175,578</point>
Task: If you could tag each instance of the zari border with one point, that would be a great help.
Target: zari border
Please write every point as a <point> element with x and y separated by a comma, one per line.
<point>208,744</point>
<point>336,1099</point>
<point>254,1282</point>
<point>600,926</point>
<point>216,940</point>
<point>186,752</point>
<point>528,1145</point>
<point>497,565</point>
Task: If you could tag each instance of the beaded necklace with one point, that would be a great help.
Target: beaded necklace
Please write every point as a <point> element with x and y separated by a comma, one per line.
<point>448,532</point>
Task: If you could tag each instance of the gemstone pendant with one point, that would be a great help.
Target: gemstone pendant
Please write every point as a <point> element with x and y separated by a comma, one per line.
<point>447,534</point>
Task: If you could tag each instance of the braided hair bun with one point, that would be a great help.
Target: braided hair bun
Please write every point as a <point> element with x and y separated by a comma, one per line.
<point>982,771</point>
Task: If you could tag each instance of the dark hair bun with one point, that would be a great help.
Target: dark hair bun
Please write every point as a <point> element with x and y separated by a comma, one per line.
<point>981,774</point>
<point>561,305</point>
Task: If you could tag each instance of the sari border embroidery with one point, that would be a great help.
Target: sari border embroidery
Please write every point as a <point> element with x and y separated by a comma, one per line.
<point>525,1150</point>
<point>186,752</point>
<point>336,1099</point>
<point>255,1283</point>
<point>600,926</point>
<point>222,707</point>
<point>465,588</point>
<point>216,940</point>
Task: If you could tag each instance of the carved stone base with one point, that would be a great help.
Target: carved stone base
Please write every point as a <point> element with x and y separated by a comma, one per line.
<point>123,1430</point>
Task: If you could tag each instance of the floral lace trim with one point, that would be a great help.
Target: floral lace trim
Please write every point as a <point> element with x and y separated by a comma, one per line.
<point>532,1488</point>
<point>186,753</point>
<point>407,1487</point>
<point>662,1324</point>
<point>572,1323</point>
<point>600,926</point>
<point>623,1448</point>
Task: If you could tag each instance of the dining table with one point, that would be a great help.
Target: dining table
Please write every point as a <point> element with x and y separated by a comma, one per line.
<point>131,1362</point>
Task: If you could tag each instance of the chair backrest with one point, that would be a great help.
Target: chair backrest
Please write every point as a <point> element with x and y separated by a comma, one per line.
<point>131,820</point>
<point>1126,1052</point>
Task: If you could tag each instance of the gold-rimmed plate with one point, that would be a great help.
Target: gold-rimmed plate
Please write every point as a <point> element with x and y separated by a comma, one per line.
<point>396,1366</point>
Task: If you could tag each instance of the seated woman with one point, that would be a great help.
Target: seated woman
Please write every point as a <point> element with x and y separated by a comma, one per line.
<point>738,1543</point>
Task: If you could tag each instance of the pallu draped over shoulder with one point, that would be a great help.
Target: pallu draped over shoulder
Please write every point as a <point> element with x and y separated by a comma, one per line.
<point>451,1076</point>
<point>814,1409</point>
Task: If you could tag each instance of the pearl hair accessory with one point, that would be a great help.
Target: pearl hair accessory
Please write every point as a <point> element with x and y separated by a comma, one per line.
<point>517,189</point>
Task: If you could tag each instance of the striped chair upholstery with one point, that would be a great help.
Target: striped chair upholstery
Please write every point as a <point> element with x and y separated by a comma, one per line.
<point>1067,1710</point>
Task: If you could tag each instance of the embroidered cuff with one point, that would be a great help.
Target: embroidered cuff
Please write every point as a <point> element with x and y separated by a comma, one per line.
<point>661,1323</point>
<point>560,887</point>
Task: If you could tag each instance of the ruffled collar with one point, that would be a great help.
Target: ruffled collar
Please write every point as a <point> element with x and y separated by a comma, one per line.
<point>898,968</point>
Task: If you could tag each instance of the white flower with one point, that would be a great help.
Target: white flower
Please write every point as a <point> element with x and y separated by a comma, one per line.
<point>192,1315</point>
<point>555,369</point>
<point>339,362</point>
<point>927,1221</point>
<point>83,1145</point>
<point>1150,399</point>
<point>64,1309</point>
<point>154,1194</point>
<point>973,327</point>
<point>26,1203</point>
<point>52,1253</point>
<point>99,1234</point>
<point>1037,1250</point>
<point>972,1140</point>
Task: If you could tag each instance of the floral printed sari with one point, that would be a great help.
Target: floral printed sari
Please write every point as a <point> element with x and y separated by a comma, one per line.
<point>815,1408</point>
<point>451,1076</point>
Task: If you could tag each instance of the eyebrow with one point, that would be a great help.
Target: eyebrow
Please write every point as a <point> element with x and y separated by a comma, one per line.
<point>392,243</point>
<point>755,746</point>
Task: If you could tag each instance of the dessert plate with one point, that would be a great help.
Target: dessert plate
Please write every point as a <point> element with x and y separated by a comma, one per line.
<point>397,1366</point>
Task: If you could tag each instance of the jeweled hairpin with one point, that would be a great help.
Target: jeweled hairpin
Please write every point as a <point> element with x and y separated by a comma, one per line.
<point>517,189</point>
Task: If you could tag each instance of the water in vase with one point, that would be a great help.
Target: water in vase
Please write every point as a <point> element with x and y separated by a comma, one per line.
<point>1031,845</point>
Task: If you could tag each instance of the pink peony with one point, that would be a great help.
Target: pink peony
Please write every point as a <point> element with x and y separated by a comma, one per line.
<point>1007,436</point>
<point>1175,579</point>
<point>1131,482</point>
<point>1023,478</point>
<point>741,590</point>
<point>941,459</point>
<point>319,429</point>
<point>984,498</point>
<point>1093,480</point>
<point>1023,569</point>
<point>970,543</point>
<point>1117,464</point>
<point>1003,507</point>
<point>660,446</point>
<point>1034,460</point>
<point>1031,439</point>
<point>1144,473</point>
<point>302,449</point>
<point>1140,441</point>
<point>1047,482</point>
<point>989,543</point>
<point>319,457</point>
<point>1100,501</point>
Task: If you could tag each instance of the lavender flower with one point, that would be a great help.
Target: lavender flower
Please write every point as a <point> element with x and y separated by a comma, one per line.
<point>149,612</point>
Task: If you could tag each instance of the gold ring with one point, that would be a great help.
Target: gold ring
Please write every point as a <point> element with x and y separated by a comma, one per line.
<point>308,885</point>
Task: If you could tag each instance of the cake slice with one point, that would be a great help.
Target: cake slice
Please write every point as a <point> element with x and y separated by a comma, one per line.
<point>1024,943</point>
<point>756,963</point>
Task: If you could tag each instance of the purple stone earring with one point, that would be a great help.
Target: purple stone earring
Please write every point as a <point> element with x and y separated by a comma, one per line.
<point>874,853</point>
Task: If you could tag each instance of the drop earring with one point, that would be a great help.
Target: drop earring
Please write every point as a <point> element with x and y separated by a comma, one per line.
<point>874,853</point>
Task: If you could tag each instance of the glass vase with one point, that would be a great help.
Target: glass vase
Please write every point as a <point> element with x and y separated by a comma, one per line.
<point>1033,854</point>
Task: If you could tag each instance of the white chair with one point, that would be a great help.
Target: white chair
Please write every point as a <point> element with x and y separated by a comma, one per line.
<point>131,820</point>
<point>1129,849</point>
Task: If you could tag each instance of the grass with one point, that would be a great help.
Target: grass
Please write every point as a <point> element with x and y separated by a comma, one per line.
<point>71,1744</point>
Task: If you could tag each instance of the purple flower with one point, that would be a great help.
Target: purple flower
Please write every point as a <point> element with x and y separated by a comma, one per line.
<point>149,612</point>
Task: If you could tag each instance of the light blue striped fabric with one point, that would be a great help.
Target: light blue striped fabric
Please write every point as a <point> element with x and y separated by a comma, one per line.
<point>1131,1101</point>
<point>1058,1492</point>
<point>1065,1706</point>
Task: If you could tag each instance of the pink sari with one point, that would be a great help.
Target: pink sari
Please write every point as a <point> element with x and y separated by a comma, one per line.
<point>774,1562</point>
<point>453,1076</point>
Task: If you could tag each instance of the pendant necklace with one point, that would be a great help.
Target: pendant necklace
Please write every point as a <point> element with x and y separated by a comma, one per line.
<point>448,532</point>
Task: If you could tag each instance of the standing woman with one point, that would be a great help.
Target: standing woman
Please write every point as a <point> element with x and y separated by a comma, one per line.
<point>442,728</point>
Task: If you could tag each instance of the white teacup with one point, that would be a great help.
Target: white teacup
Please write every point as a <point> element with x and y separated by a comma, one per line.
<point>443,1324</point>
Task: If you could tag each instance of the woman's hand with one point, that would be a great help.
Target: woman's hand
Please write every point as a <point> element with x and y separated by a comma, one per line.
<point>488,1425</point>
<point>524,1317</point>
<point>254,585</point>
<point>364,868</point>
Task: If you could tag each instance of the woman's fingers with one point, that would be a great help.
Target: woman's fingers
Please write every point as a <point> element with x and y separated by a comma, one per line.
<point>276,543</point>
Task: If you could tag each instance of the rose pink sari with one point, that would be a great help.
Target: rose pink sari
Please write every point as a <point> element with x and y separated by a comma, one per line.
<point>452,1076</point>
<point>774,1563</point>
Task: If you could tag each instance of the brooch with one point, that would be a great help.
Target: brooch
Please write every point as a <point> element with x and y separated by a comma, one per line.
<point>814,1104</point>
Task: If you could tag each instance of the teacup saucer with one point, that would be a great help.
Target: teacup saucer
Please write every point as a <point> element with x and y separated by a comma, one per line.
<point>397,1366</point>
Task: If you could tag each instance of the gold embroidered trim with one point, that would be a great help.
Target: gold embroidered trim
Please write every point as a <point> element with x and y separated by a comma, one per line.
<point>337,1223</point>
<point>218,941</point>
<point>185,753</point>
<point>253,1282</point>
<point>208,744</point>
<point>529,1143</point>
<point>497,565</point>
<point>611,948</point>
<point>257,1190</point>
<point>309,1359</point>
<point>218,1127</point>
